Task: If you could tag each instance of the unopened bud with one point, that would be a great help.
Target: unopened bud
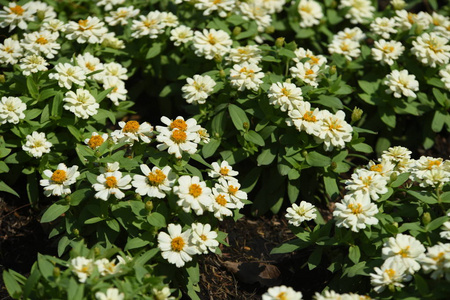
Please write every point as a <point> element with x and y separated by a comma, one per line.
<point>333,165</point>
<point>40,14</point>
<point>56,272</point>
<point>68,199</point>
<point>237,30</point>
<point>2,78</point>
<point>356,114</point>
<point>149,205</point>
<point>137,196</point>
<point>398,4</point>
<point>332,70</point>
<point>76,232</point>
<point>15,37</point>
<point>269,29</point>
<point>304,153</point>
<point>426,218</point>
<point>246,125</point>
<point>395,224</point>
<point>393,176</point>
<point>97,251</point>
<point>222,74</point>
<point>279,42</point>
<point>217,58</point>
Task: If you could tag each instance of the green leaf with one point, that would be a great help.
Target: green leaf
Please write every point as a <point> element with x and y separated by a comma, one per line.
<point>5,188</point>
<point>315,159</point>
<point>209,149</point>
<point>315,258</point>
<point>238,116</point>
<point>75,132</point>
<point>401,179</point>
<point>54,211</point>
<point>267,156</point>
<point>62,245</point>
<point>113,224</point>
<point>290,246</point>
<point>436,223</point>
<point>154,50</point>
<point>45,266</point>
<point>362,147</point>
<point>218,124</point>
<point>293,190</point>
<point>438,121</point>
<point>440,97</point>
<point>421,285</point>
<point>423,196</point>
<point>254,137</point>
<point>12,285</point>
<point>250,179</point>
<point>445,197</point>
<point>144,258</point>
<point>157,220</point>
<point>136,242</point>
<point>354,254</point>
<point>368,87</point>
<point>329,101</point>
<point>32,87</point>
<point>57,105</point>
<point>287,53</point>
<point>331,186</point>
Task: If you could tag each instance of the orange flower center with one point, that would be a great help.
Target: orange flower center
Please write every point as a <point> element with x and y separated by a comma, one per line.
<point>390,272</point>
<point>334,126</point>
<point>90,66</point>
<point>195,190</point>
<point>131,126</point>
<point>156,178</point>
<point>309,116</point>
<point>83,25</point>
<point>18,10</point>
<point>376,168</point>
<point>232,189</point>
<point>224,171</point>
<point>433,163</point>
<point>179,136</point>
<point>314,60</point>
<point>203,237</point>
<point>221,200</point>
<point>59,176</point>
<point>439,258</point>
<point>95,141</point>
<point>309,72</point>
<point>388,49</point>
<point>178,124</point>
<point>177,244</point>
<point>42,40</point>
<point>404,252</point>
<point>111,182</point>
<point>356,209</point>
<point>211,39</point>
<point>282,296</point>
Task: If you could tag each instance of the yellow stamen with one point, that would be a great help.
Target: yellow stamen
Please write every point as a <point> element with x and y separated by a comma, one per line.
<point>179,136</point>
<point>356,209</point>
<point>376,168</point>
<point>111,182</point>
<point>131,126</point>
<point>221,200</point>
<point>224,171</point>
<point>232,189</point>
<point>95,141</point>
<point>18,10</point>
<point>156,178</point>
<point>309,117</point>
<point>177,244</point>
<point>178,124</point>
<point>195,190</point>
<point>59,176</point>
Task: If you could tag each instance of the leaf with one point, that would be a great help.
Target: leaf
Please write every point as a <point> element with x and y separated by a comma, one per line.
<point>57,105</point>
<point>254,137</point>
<point>218,123</point>
<point>287,53</point>
<point>331,186</point>
<point>238,116</point>
<point>436,223</point>
<point>12,285</point>
<point>5,188</point>
<point>438,121</point>
<point>315,159</point>
<point>209,149</point>
<point>250,179</point>
<point>154,50</point>
<point>354,254</point>
<point>54,211</point>
<point>445,197</point>
<point>32,87</point>
<point>329,101</point>
<point>423,196</point>
<point>267,156</point>
<point>157,220</point>
<point>290,246</point>
<point>401,179</point>
<point>134,243</point>
<point>315,258</point>
<point>368,87</point>
<point>45,266</point>
<point>421,285</point>
<point>439,96</point>
<point>75,132</point>
<point>362,147</point>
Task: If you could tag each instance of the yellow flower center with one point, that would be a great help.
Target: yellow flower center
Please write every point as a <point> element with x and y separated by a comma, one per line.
<point>309,72</point>
<point>314,60</point>
<point>439,258</point>
<point>179,136</point>
<point>306,8</point>
<point>390,273</point>
<point>344,47</point>
<point>404,252</point>
<point>111,182</point>
<point>178,124</point>
<point>285,92</point>
<point>195,190</point>
<point>434,46</point>
<point>85,269</point>
<point>224,171</point>
<point>90,67</point>
<point>388,49</point>
<point>203,237</point>
<point>18,10</point>
<point>156,178</point>
<point>149,23</point>
<point>83,25</point>
<point>232,189</point>
<point>411,18</point>
<point>42,40</point>
<point>376,168</point>
<point>221,200</point>
<point>131,126</point>
<point>282,296</point>
<point>211,39</point>
<point>59,176</point>
<point>334,126</point>
<point>95,141</point>
<point>356,209</point>
<point>177,244</point>
<point>309,116</point>
<point>433,163</point>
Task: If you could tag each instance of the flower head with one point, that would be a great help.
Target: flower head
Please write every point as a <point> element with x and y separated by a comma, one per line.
<point>203,238</point>
<point>111,183</point>
<point>82,267</point>
<point>155,182</point>
<point>296,214</point>
<point>407,249</point>
<point>37,144</point>
<point>11,110</point>
<point>58,182</point>
<point>176,246</point>
<point>355,211</point>
<point>282,293</point>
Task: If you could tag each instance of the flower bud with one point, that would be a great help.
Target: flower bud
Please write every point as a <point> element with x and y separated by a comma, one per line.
<point>137,196</point>
<point>76,232</point>
<point>222,74</point>
<point>332,70</point>
<point>426,218</point>
<point>97,251</point>
<point>237,30</point>
<point>2,78</point>
<point>56,272</point>
<point>333,165</point>
<point>279,42</point>
<point>40,15</point>
<point>304,153</point>
<point>356,114</point>
<point>149,205</point>
<point>68,199</point>
<point>217,58</point>
<point>246,125</point>
<point>269,29</point>
<point>398,4</point>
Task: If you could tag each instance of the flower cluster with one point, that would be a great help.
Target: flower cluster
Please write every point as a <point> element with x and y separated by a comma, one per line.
<point>84,267</point>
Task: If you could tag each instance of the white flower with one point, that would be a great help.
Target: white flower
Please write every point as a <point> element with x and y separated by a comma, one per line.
<point>10,51</point>
<point>190,125</point>
<point>334,130</point>
<point>223,7</point>
<point>110,167</point>
<point>82,104</point>
<point>107,267</point>
<point>54,25</point>
<point>431,49</point>
<point>150,25</point>
<point>385,168</point>
<point>359,11</point>
<point>210,42</point>
<point>224,170</point>
<point>221,204</point>
<point>121,16</point>
<point>111,294</point>
<point>407,249</point>
<point>347,47</point>
<point>445,76</point>
<point>118,91</point>
<point>435,178</point>
<point>111,183</point>
<point>355,211</point>
<point>168,19</point>
<point>198,89</point>
<point>296,214</point>
<point>193,194</point>
<point>384,27</point>
<point>181,35</point>
<point>274,6</point>
<point>406,20</point>
<point>90,30</point>
<point>96,140</point>
<point>58,182</point>
<point>250,54</point>
<point>282,293</point>
<point>305,119</point>
<point>43,12</point>
<point>400,156</point>
<point>355,34</point>
<point>232,188</point>
<point>133,131</point>
<point>307,73</point>
<point>16,15</point>
<point>32,64</point>
<point>109,4</point>
<point>432,171</point>
<point>82,267</point>
<point>445,233</point>
<point>11,110</point>
<point>246,76</point>
<point>203,238</point>
<point>41,43</point>
<point>163,294</point>
<point>155,182</point>
<point>176,246</point>
<point>255,10</point>
<point>437,261</point>
<point>401,83</point>
<point>367,182</point>
<point>37,144</point>
<point>392,274</point>
<point>285,95</point>
<point>68,74</point>
<point>116,70</point>
<point>110,40</point>
<point>387,52</point>
<point>89,63</point>
<point>302,53</point>
<point>177,141</point>
<point>310,13</point>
